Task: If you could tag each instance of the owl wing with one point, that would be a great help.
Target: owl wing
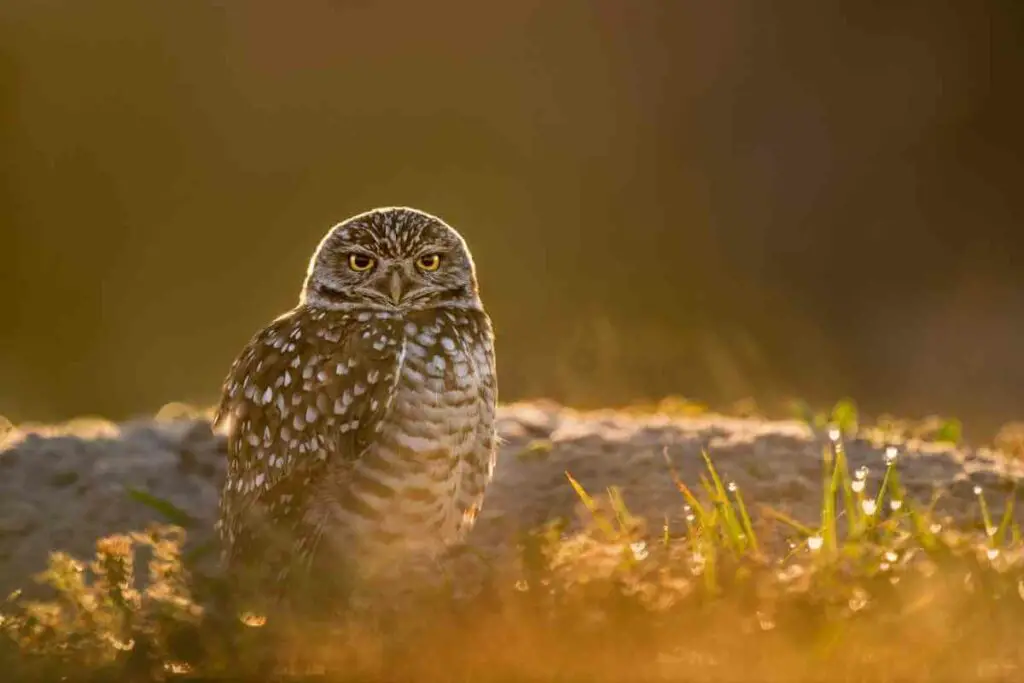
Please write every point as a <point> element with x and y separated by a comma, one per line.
<point>478,466</point>
<point>309,390</point>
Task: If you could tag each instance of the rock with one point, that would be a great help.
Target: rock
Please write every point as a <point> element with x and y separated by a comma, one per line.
<point>17,518</point>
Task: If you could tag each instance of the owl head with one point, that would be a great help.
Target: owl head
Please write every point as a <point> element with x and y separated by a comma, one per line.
<point>391,259</point>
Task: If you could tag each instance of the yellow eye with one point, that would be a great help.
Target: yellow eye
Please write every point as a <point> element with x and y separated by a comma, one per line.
<point>429,262</point>
<point>360,262</point>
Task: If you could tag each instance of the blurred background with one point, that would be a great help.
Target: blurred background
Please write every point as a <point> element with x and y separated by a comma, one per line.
<point>720,200</point>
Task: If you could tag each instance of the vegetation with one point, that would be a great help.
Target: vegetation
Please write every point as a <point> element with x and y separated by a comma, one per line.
<point>877,590</point>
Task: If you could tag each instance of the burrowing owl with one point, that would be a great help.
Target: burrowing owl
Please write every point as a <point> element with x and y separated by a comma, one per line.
<point>361,423</point>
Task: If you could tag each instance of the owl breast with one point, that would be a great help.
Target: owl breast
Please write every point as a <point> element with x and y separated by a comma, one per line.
<point>417,488</point>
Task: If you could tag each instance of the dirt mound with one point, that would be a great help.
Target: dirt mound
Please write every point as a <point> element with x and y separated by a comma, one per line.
<point>64,486</point>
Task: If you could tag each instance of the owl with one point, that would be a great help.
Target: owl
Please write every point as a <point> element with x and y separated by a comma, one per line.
<point>361,424</point>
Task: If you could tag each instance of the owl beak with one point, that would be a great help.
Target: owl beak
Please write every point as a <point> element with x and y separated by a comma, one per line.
<point>395,288</point>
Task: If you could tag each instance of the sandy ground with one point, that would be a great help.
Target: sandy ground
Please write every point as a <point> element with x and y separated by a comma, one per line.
<point>64,486</point>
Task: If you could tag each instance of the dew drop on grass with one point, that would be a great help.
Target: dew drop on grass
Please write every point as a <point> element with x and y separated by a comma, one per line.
<point>857,485</point>
<point>765,621</point>
<point>992,553</point>
<point>252,620</point>
<point>927,568</point>
<point>123,645</point>
<point>793,571</point>
<point>690,517</point>
<point>733,488</point>
<point>698,564</point>
<point>891,454</point>
<point>834,434</point>
<point>639,550</point>
<point>891,556</point>
<point>177,668</point>
<point>870,507</point>
<point>884,566</point>
<point>935,528</point>
<point>814,543</point>
<point>862,472</point>
<point>977,490</point>
<point>895,505</point>
<point>522,586</point>
<point>859,600</point>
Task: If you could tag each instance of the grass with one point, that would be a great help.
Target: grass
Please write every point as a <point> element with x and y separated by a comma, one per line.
<point>877,589</point>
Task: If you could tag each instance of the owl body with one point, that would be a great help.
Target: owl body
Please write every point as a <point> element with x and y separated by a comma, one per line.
<point>361,424</point>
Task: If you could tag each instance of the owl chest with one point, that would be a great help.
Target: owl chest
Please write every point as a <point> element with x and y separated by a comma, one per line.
<point>433,425</point>
<point>437,406</point>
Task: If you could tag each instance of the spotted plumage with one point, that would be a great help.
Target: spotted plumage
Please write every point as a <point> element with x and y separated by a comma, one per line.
<point>360,424</point>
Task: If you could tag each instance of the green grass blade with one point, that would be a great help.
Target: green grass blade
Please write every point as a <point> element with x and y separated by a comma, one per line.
<point>802,529</point>
<point>622,513</point>
<point>846,484</point>
<point>1004,524</point>
<point>880,497</point>
<point>716,489</point>
<point>748,526</point>
<point>986,517</point>
<point>170,512</point>
<point>829,533</point>
<point>688,495</point>
<point>591,505</point>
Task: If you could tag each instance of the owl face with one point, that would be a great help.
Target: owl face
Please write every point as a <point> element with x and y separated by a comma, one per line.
<point>391,259</point>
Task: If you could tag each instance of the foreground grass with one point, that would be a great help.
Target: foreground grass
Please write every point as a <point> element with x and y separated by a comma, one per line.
<point>877,590</point>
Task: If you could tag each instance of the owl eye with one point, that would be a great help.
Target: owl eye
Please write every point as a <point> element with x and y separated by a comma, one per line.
<point>360,262</point>
<point>429,262</point>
